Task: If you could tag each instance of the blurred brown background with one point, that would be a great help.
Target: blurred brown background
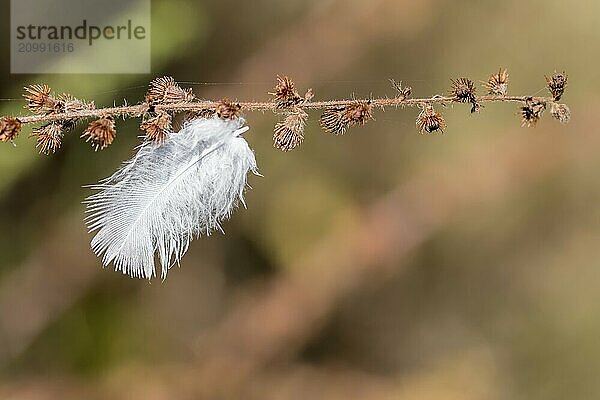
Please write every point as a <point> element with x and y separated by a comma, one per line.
<point>378,265</point>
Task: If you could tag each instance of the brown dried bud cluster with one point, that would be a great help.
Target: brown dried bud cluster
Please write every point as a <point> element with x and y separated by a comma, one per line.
<point>49,137</point>
<point>403,92</point>
<point>227,109</point>
<point>337,120</point>
<point>429,121</point>
<point>38,98</point>
<point>9,128</point>
<point>165,97</point>
<point>289,133</point>
<point>100,132</point>
<point>557,84</point>
<point>561,112</point>
<point>285,94</point>
<point>165,90</point>
<point>41,100</point>
<point>359,112</point>
<point>464,91</point>
<point>334,120</point>
<point>531,112</point>
<point>157,127</point>
<point>497,84</point>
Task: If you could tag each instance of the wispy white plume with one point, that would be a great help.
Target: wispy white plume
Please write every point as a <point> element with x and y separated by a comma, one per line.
<point>168,194</point>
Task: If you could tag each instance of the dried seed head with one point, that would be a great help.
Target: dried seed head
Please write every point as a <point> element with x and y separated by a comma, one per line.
<point>9,128</point>
<point>561,112</point>
<point>49,137</point>
<point>227,109</point>
<point>403,92</point>
<point>557,84</point>
<point>39,99</point>
<point>338,119</point>
<point>333,120</point>
<point>100,132</point>
<point>531,112</point>
<point>359,112</point>
<point>497,84</point>
<point>165,90</point>
<point>429,121</point>
<point>289,133</point>
<point>157,127</point>
<point>285,94</point>
<point>464,90</point>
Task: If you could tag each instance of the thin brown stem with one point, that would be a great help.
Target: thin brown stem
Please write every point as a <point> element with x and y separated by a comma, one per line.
<point>140,109</point>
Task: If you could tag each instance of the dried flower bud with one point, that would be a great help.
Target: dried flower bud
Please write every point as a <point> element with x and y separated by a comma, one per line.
<point>285,94</point>
<point>463,89</point>
<point>497,84</point>
<point>333,121</point>
<point>227,109</point>
<point>39,99</point>
<point>359,112</point>
<point>531,112</point>
<point>9,128</point>
<point>49,137</point>
<point>337,120</point>
<point>557,84</point>
<point>561,112</point>
<point>429,121</point>
<point>100,132</point>
<point>403,92</point>
<point>289,133</point>
<point>165,90</point>
<point>157,127</point>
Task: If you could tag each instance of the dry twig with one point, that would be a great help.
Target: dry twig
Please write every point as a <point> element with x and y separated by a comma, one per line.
<point>165,97</point>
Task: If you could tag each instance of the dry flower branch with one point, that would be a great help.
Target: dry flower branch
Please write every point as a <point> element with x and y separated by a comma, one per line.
<point>165,97</point>
<point>182,185</point>
<point>135,111</point>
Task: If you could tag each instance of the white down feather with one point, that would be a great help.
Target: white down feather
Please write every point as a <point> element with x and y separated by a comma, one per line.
<point>168,194</point>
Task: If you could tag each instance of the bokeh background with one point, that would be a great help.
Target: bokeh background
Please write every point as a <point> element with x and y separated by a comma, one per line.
<point>378,265</point>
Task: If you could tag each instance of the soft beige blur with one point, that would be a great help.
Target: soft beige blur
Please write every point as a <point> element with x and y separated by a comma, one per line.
<point>378,265</point>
